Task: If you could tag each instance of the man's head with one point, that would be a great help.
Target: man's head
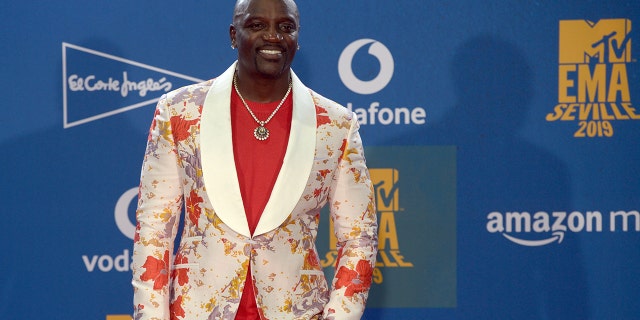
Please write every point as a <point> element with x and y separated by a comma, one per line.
<point>266,35</point>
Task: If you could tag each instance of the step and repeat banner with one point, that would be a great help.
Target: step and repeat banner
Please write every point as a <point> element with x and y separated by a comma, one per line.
<point>502,139</point>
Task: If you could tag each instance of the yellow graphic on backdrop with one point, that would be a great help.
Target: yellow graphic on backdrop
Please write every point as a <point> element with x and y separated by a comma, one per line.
<point>593,83</point>
<point>386,187</point>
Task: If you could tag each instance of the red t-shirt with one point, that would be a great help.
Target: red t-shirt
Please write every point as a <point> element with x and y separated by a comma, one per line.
<point>257,165</point>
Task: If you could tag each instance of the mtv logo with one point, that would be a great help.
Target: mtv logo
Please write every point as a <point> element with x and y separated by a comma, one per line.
<point>97,85</point>
<point>604,41</point>
<point>385,184</point>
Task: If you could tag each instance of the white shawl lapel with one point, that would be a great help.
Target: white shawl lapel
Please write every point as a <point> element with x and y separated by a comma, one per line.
<point>218,165</point>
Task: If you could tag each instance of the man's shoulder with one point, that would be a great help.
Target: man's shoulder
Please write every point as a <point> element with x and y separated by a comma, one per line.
<point>329,106</point>
<point>195,93</point>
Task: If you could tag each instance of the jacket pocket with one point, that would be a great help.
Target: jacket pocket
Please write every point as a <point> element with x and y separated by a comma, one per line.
<point>186,265</point>
<point>312,272</point>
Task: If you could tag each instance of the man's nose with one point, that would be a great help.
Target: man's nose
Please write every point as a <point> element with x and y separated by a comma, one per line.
<point>272,34</point>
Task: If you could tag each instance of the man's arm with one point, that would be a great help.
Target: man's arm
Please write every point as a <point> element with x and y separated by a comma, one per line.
<point>158,214</point>
<point>353,213</point>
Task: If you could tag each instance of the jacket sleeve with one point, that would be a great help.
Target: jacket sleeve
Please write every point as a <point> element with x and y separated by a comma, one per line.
<point>353,213</point>
<point>159,207</point>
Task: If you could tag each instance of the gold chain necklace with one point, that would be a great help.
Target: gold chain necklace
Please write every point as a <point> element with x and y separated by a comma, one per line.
<point>260,132</point>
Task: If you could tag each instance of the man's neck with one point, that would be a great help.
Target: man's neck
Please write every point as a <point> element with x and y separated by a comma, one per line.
<point>262,89</point>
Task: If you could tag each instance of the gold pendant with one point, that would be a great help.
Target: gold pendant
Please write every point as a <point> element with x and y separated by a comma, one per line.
<point>261,133</point>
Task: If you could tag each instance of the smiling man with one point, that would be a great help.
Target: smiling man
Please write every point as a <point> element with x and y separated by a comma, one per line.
<point>266,35</point>
<point>253,155</point>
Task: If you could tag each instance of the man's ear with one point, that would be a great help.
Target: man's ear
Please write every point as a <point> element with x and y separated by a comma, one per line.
<point>232,35</point>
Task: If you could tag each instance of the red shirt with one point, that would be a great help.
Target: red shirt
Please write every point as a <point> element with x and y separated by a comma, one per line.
<point>257,165</point>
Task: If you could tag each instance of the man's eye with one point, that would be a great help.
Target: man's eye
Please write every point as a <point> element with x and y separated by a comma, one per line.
<point>256,26</point>
<point>287,28</point>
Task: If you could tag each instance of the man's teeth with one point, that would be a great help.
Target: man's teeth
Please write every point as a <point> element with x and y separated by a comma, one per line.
<point>271,51</point>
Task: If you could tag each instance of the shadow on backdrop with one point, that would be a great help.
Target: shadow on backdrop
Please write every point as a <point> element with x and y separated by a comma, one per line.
<point>500,171</point>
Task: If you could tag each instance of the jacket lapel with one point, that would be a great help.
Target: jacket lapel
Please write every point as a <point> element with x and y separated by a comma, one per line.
<point>218,165</point>
<point>297,163</point>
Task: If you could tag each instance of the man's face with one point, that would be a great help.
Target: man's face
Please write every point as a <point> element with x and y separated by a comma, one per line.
<point>266,35</point>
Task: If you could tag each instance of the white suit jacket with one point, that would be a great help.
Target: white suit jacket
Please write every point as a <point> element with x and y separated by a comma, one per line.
<point>189,160</point>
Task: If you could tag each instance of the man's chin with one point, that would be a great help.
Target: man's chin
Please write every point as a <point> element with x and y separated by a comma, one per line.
<point>272,70</point>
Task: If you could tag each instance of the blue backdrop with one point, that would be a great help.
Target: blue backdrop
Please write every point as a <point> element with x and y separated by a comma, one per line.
<point>501,136</point>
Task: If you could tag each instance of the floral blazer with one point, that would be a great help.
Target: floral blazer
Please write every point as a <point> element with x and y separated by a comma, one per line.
<point>189,161</point>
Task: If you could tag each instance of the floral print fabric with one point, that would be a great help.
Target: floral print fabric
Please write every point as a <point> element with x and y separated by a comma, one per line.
<point>205,278</point>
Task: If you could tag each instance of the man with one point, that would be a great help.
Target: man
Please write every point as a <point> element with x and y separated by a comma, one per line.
<point>254,155</point>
